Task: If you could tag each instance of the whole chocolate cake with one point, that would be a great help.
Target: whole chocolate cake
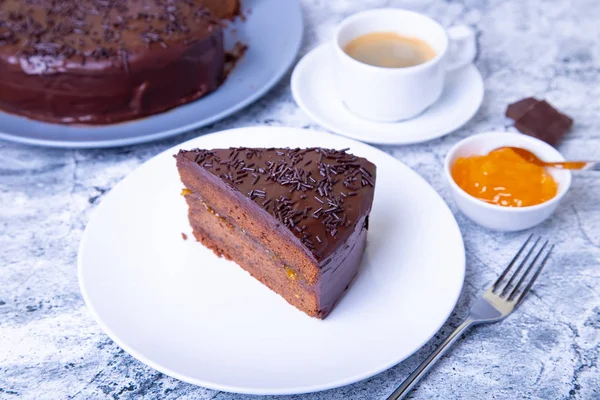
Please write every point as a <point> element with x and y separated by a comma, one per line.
<point>106,61</point>
<point>295,219</point>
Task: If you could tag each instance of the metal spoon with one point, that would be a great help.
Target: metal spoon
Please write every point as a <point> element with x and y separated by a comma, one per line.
<point>532,158</point>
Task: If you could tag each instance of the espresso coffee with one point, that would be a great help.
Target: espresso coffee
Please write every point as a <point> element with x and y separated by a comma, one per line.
<point>389,50</point>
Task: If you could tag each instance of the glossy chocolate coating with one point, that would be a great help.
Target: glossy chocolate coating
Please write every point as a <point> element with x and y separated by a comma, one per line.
<point>322,219</point>
<point>99,62</point>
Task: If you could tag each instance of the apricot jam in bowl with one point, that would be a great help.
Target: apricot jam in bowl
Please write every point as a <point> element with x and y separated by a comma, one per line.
<point>496,188</point>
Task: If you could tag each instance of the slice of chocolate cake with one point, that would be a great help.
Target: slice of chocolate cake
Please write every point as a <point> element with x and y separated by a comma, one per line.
<point>295,219</point>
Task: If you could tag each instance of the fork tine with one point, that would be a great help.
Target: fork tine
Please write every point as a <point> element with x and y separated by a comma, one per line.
<point>527,271</point>
<point>495,286</point>
<point>519,268</point>
<point>535,276</point>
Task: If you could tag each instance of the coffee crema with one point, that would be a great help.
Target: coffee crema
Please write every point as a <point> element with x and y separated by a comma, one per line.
<point>389,50</point>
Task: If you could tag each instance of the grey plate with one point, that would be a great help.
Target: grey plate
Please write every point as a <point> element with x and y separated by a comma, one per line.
<point>273,31</point>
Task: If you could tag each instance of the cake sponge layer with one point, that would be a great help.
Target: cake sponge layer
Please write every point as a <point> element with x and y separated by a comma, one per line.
<point>227,240</point>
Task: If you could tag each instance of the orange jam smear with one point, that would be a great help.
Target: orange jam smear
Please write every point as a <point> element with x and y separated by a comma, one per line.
<point>504,178</point>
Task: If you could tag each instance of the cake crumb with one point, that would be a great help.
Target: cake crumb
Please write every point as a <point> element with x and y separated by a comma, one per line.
<point>233,56</point>
<point>184,236</point>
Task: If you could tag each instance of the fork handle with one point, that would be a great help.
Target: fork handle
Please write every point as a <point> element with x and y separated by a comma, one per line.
<point>426,365</point>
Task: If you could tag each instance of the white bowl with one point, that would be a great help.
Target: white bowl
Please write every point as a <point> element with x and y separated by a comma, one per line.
<point>498,217</point>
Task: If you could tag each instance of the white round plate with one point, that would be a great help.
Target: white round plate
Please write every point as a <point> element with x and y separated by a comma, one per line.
<point>314,92</point>
<point>272,47</point>
<point>172,304</point>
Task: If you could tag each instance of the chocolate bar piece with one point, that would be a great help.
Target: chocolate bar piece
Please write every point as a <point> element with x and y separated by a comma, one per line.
<point>539,119</point>
<point>516,110</point>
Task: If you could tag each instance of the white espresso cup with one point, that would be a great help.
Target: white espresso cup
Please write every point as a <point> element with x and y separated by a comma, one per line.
<point>394,94</point>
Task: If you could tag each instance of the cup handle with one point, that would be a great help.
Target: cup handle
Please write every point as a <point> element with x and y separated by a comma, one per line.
<point>463,47</point>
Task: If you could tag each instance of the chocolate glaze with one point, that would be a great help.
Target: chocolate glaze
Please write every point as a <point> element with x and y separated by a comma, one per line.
<point>106,61</point>
<point>335,280</point>
<point>318,198</point>
<point>257,174</point>
<point>225,9</point>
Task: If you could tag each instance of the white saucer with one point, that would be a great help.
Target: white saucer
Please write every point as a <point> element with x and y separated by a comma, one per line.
<point>314,91</point>
<point>172,304</point>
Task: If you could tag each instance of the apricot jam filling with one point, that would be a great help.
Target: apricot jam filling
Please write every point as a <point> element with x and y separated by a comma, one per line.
<point>503,178</point>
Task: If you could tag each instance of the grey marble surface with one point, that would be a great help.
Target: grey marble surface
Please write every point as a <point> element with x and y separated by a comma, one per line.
<point>51,348</point>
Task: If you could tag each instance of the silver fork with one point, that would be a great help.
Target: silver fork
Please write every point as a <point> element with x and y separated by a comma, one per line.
<point>494,305</point>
